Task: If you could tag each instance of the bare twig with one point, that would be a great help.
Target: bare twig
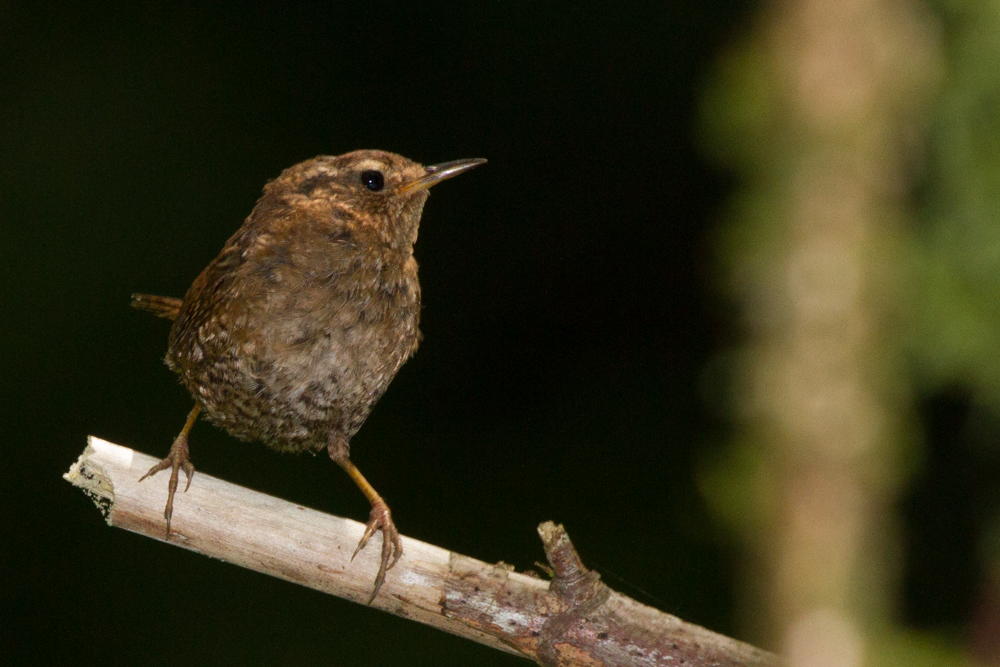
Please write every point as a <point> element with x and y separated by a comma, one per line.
<point>574,620</point>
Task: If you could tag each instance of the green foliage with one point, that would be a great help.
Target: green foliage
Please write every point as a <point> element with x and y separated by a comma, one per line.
<point>913,649</point>
<point>955,337</point>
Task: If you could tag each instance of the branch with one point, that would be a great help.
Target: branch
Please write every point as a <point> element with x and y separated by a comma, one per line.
<point>574,620</point>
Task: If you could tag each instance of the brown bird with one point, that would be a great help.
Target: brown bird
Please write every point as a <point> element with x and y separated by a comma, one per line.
<point>295,330</point>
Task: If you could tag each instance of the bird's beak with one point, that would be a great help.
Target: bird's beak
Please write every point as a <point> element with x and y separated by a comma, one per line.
<point>440,172</point>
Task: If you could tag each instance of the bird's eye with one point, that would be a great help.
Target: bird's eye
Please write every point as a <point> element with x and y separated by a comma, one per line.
<point>373,180</point>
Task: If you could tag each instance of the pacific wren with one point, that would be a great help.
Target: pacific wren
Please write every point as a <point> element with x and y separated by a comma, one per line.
<point>295,330</point>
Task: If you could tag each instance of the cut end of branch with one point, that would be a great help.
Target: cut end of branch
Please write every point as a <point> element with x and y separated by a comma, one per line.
<point>89,476</point>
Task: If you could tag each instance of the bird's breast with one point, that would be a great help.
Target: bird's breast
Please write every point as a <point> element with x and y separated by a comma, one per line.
<point>302,351</point>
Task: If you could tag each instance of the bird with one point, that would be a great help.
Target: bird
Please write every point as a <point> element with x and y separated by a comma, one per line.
<point>295,330</point>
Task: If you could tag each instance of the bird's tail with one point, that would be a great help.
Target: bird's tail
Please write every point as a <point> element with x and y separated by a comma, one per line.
<point>161,306</point>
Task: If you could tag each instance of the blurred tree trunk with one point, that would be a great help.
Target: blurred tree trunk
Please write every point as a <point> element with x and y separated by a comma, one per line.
<point>821,112</point>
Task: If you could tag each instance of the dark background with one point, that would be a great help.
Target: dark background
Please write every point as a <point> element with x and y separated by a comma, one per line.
<point>568,315</point>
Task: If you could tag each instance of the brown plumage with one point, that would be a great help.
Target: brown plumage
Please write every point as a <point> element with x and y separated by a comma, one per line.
<point>295,330</point>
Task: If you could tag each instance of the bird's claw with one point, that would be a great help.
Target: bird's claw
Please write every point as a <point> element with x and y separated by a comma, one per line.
<point>392,546</point>
<point>178,459</point>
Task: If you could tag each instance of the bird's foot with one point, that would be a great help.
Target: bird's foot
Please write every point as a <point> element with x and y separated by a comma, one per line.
<point>178,459</point>
<point>392,547</point>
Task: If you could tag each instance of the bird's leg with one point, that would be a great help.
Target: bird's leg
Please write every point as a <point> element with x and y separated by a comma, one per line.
<point>379,519</point>
<point>177,459</point>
